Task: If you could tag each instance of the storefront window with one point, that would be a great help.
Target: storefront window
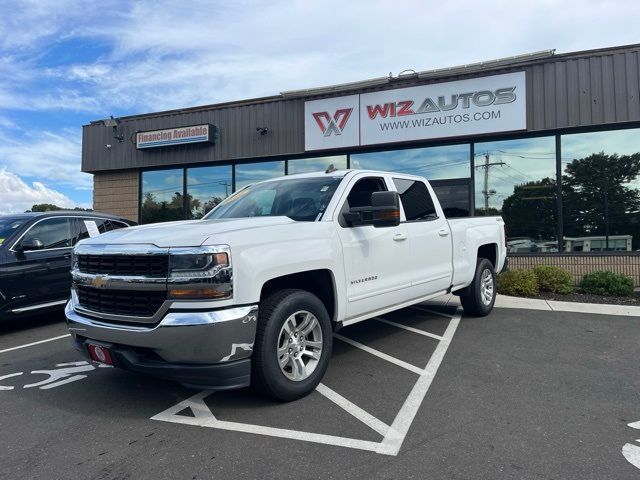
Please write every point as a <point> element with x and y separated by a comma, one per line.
<point>434,163</point>
<point>162,196</point>
<point>247,173</point>
<point>601,191</point>
<point>206,188</point>
<point>320,164</point>
<point>517,180</point>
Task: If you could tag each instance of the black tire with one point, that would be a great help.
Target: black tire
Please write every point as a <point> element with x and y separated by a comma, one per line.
<point>473,303</point>
<point>266,375</point>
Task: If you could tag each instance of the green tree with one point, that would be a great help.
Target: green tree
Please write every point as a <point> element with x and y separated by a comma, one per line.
<point>599,197</point>
<point>531,211</point>
<point>44,207</point>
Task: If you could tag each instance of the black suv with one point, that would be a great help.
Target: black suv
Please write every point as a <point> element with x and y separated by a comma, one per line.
<point>35,257</point>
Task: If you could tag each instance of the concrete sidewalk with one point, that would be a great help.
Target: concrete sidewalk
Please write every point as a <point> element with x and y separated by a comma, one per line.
<point>505,301</point>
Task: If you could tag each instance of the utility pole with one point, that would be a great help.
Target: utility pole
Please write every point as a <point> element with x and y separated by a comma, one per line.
<point>226,188</point>
<point>486,192</point>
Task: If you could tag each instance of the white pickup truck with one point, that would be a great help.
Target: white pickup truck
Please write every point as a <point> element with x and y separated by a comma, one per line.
<point>252,293</point>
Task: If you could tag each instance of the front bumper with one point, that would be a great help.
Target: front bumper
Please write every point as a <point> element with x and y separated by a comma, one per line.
<point>196,347</point>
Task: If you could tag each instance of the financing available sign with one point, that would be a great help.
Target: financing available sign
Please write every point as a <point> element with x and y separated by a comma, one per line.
<point>175,136</point>
<point>466,107</point>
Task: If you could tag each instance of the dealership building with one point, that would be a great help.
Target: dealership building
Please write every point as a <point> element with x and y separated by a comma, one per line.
<point>549,141</point>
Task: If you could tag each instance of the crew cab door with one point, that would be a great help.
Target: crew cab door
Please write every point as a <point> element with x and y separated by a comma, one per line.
<point>36,277</point>
<point>429,237</point>
<point>376,259</point>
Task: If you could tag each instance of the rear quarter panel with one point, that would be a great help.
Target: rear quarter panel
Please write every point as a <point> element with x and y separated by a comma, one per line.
<point>468,234</point>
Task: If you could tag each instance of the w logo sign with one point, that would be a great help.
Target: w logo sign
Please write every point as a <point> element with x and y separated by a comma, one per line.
<point>332,125</point>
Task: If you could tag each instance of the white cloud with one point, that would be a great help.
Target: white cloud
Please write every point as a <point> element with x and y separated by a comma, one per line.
<point>157,57</point>
<point>54,156</point>
<point>17,196</point>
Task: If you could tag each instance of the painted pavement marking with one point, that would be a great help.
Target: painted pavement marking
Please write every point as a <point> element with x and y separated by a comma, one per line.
<point>393,436</point>
<point>34,343</point>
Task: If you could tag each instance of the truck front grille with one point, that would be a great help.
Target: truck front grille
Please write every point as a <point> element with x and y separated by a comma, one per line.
<point>152,266</point>
<point>120,302</point>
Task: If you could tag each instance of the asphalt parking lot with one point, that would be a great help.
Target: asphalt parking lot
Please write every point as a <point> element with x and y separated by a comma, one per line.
<point>422,393</point>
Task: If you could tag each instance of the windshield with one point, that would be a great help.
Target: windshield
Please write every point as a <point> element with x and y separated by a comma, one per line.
<point>9,225</point>
<point>301,199</point>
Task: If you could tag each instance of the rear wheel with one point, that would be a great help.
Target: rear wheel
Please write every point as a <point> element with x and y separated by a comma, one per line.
<point>482,291</point>
<point>293,345</point>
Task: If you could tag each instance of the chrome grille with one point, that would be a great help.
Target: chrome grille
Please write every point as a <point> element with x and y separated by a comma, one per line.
<point>152,266</point>
<point>121,302</point>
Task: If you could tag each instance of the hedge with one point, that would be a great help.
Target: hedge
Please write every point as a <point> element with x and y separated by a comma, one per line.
<point>518,283</point>
<point>554,279</point>
<point>607,283</point>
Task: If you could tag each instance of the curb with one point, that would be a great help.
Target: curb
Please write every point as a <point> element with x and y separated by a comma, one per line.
<point>505,301</point>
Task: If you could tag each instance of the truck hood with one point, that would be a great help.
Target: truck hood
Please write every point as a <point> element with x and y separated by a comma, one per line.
<point>187,233</point>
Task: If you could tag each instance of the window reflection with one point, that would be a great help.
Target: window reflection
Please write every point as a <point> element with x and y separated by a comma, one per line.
<point>306,165</point>
<point>206,188</point>
<point>434,163</point>
<point>247,173</point>
<point>162,196</point>
<point>601,191</point>
<point>516,179</point>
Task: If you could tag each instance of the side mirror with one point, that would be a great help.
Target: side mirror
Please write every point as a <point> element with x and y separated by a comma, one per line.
<point>383,212</point>
<point>27,245</point>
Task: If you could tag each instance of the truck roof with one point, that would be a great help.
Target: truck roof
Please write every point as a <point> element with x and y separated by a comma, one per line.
<point>337,173</point>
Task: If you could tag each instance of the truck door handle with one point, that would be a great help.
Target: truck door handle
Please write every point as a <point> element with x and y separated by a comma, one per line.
<point>398,237</point>
<point>443,232</point>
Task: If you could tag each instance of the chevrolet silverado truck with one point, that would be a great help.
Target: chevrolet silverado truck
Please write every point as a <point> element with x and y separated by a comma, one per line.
<point>252,293</point>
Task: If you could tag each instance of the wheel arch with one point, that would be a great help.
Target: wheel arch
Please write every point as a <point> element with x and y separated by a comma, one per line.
<point>320,282</point>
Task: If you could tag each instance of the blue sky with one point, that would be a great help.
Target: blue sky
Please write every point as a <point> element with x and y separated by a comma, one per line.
<point>64,63</point>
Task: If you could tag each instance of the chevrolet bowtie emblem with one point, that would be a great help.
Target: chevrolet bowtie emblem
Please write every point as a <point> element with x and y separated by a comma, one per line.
<point>99,282</point>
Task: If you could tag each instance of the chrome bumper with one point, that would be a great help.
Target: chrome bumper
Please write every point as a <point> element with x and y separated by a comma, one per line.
<point>193,337</point>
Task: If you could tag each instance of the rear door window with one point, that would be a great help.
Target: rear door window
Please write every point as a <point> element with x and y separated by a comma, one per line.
<point>416,200</point>
<point>52,232</point>
<point>87,227</point>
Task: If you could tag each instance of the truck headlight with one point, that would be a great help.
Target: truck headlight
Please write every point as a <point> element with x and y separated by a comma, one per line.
<point>200,273</point>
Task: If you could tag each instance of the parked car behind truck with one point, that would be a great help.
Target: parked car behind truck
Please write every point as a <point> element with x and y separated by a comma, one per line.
<point>35,257</point>
<point>252,293</point>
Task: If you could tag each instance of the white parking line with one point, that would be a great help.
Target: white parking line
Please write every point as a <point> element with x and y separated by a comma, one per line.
<point>400,426</point>
<point>433,312</point>
<point>34,343</point>
<point>410,329</point>
<point>379,354</point>
<point>393,436</point>
<point>204,417</point>
<point>365,417</point>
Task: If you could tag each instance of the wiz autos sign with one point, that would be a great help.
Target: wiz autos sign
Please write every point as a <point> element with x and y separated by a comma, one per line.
<point>175,136</point>
<point>466,107</point>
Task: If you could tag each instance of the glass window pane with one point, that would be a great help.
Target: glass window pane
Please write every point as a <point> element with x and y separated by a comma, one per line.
<point>320,164</point>
<point>53,233</point>
<point>434,163</point>
<point>101,223</point>
<point>453,198</point>
<point>162,196</point>
<point>517,180</point>
<point>255,172</point>
<point>601,190</point>
<point>206,188</point>
<point>416,200</point>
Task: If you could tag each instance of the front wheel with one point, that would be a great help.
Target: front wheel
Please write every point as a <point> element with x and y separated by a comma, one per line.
<point>482,291</point>
<point>293,345</point>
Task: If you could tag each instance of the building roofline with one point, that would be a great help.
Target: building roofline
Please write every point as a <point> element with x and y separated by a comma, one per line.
<point>532,58</point>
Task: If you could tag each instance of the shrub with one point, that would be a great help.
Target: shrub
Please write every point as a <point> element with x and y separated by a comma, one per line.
<point>518,283</point>
<point>607,283</point>
<point>554,279</point>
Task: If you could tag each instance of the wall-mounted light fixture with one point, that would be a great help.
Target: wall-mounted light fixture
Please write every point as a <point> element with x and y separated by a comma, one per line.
<point>114,123</point>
